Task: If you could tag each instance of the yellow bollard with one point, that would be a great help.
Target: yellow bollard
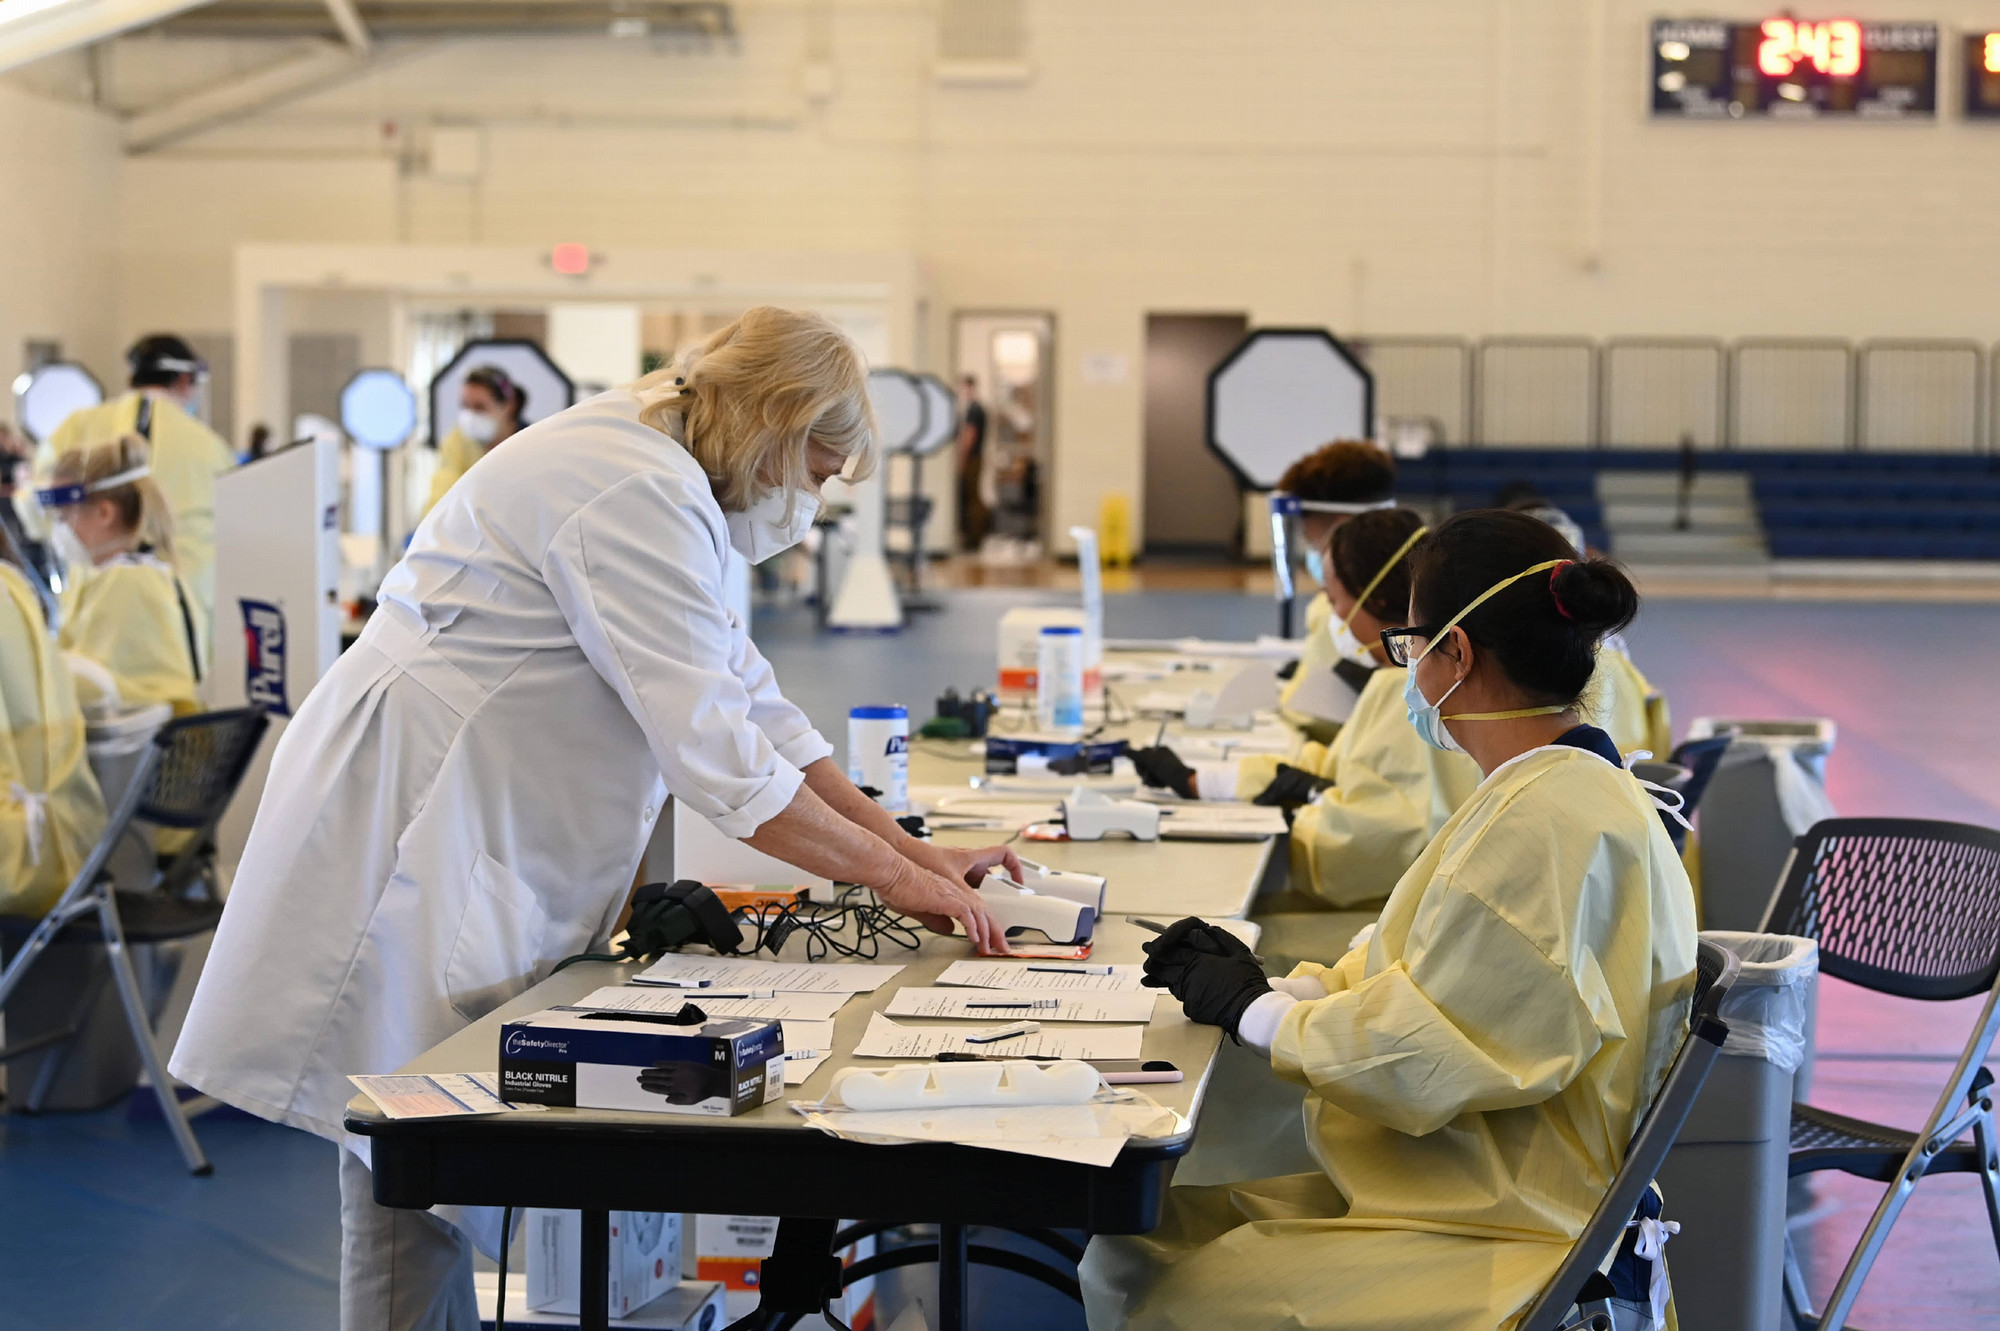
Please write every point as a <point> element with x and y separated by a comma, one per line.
<point>1114,530</point>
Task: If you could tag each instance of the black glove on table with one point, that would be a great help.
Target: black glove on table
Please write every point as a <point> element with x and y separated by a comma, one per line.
<point>1292,786</point>
<point>1162,768</point>
<point>1210,970</point>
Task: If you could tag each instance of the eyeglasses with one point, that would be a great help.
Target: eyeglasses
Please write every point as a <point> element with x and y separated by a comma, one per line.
<point>1406,645</point>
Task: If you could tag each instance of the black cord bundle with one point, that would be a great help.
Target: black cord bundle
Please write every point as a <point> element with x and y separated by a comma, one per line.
<point>827,927</point>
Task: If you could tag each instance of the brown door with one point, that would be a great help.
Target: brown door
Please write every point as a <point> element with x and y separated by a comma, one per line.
<point>1192,502</point>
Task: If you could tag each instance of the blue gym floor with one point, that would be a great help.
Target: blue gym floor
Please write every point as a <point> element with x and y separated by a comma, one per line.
<point>99,1226</point>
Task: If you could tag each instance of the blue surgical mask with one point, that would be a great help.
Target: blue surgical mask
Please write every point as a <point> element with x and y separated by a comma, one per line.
<point>1426,716</point>
<point>1316,565</point>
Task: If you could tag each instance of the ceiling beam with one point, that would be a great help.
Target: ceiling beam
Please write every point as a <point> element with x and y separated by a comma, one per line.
<point>220,103</point>
<point>33,29</point>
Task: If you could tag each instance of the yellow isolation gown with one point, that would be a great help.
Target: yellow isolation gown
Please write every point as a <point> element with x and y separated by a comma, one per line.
<point>186,456</point>
<point>45,776</point>
<point>126,617</point>
<point>1625,705</point>
<point>456,454</point>
<point>1316,653</point>
<point>1475,1073</point>
<point>1391,794</point>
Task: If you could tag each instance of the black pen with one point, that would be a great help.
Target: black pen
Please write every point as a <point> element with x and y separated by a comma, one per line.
<point>1158,928</point>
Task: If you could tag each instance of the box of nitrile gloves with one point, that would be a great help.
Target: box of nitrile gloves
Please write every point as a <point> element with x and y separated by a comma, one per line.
<point>629,1060</point>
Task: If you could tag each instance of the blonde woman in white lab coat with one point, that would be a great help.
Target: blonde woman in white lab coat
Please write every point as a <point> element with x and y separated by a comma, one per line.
<point>464,798</point>
<point>1477,1068</point>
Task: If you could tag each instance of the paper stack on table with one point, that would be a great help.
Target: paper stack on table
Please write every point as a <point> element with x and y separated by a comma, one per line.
<point>722,972</point>
<point>782,1006</point>
<point>888,1039</point>
<point>981,1004</point>
<point>1091,1134</point>
<point>437,1095</point>
<point>1043,975</point>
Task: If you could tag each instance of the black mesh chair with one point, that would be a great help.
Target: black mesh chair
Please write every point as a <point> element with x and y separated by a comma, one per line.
<point>1910,908</point>
<point>184,782</point>
<point>1577,1296</point>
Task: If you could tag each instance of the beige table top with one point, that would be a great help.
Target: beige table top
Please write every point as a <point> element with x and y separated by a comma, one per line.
<point>1171,1036</point>
<point>1159,879</point>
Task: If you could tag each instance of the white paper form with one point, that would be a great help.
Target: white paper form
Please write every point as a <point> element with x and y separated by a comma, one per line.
<point>1091,1134</point>
<point>437,1095</point>
<point>807,1045</point>
<point>1042,975</point>
<point>783,1006</point>
<point>887,1039</point>
<point>1222,821</point>
<point>964,1003</point>
<point>799,977</point>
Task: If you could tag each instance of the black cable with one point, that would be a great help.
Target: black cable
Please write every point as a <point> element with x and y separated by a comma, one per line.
<point>506,1237</point>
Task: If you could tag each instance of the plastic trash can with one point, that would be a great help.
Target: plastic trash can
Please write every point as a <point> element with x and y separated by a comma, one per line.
<point>1725,1179</point>
<point>1770,788</point>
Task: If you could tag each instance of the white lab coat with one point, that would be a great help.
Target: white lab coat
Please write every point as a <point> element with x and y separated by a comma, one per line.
<point>463,800</point>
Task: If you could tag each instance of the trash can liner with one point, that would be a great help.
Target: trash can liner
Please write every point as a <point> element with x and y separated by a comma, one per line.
<point>1766,1010</point>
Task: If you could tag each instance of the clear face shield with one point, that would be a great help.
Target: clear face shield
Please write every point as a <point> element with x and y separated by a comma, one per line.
<point>1299,528</point>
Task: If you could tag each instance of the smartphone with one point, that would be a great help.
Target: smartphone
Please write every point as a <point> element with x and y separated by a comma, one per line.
<point>1136,1071</point>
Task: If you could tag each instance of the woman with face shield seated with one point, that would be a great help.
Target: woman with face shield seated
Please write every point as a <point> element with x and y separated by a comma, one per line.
<point>1477,1068</point>
<point>129,628</point>
<point>51,813</point>
<point>1331,484</point>
<point>465,797</point>
<point>1367,803</point>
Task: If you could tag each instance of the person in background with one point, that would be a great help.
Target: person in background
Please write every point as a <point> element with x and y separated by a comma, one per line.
<point>51,812</point>
<point>129,629</point>
<point>1623,701</point>
<point>1477,1068</point>
<point>29,555</point>
<point>187,456</point>
<point>1369,802</point>
<point>1333,483</point>
<point>973,517</point>
<point>490,407</point>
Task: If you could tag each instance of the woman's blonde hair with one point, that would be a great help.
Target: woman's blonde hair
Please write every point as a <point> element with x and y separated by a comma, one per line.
<point>142,508</point>
<point>748,401</point>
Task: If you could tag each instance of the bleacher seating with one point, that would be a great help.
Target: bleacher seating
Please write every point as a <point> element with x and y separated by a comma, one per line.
<point>1812,505</point>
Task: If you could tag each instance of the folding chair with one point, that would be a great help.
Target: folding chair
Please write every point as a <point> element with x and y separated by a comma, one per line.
<point>1572,1300</point>
<point>1910,908</point>
<point>184,781</point>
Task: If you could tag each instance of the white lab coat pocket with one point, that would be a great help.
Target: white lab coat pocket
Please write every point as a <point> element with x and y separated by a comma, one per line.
<point>499,941</point>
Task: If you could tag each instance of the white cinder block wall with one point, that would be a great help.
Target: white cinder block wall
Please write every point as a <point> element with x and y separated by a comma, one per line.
<point>1463,167</point>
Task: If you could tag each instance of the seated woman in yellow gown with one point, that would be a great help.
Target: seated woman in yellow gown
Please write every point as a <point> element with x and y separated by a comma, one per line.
<point>1478,1066</point>
<point>128,626</point>
<point>51,813</point>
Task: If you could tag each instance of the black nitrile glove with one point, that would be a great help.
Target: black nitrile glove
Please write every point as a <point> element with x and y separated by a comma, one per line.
<point>1210,970</point>
<point>684,1083</point>
<point>1288,669</point>
<point>1291,787</point>
<point>1162,768</point>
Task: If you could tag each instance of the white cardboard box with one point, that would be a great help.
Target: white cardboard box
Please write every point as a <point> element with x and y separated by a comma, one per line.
<point>645,1259</point>
<point>693,1305</point>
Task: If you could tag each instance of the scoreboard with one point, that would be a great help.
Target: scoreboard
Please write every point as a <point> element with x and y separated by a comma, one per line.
<point>1982,75</point>
<point>1798,68</point>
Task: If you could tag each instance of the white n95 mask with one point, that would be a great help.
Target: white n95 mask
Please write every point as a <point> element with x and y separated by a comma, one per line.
<point>760,531</point>
<point>1349,647</point>
<point>477,426</point>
